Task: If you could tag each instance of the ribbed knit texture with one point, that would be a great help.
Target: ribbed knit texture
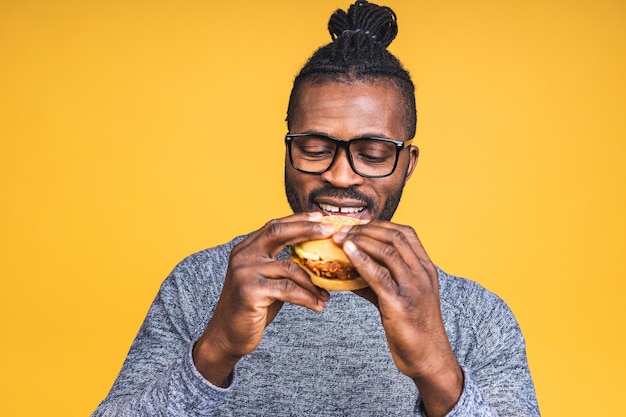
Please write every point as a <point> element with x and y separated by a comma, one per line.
<point>334,363</point>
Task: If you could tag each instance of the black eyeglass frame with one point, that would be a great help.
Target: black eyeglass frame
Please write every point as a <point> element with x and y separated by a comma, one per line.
<point>400,145</point>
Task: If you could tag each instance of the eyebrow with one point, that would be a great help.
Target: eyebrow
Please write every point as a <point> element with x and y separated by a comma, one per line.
<point>362,136</point>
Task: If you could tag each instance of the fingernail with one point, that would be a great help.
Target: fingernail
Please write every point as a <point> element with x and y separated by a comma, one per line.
<point>316,216</point>
<point>349,247</point>
<point>346,228</point>
<point>339,236</point>
<point>327,228</point>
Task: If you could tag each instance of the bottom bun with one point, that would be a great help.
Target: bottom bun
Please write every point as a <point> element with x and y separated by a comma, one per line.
<point>333,284</point>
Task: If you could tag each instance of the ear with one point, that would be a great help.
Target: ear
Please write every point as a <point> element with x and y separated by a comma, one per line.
<point>414,153</point>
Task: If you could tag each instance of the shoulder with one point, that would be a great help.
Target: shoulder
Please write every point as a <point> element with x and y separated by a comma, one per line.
<point>472,314</point>
<point>208,261</point>
<point>467,297</point>
<point>463,294</point>
<point>193,287</point>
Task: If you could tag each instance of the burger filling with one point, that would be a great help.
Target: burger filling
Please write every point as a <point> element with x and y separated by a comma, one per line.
<point>331,269</point>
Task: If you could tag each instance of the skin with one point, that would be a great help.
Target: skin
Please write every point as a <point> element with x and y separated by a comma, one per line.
<point>350,111</point>
<point>402,280</point>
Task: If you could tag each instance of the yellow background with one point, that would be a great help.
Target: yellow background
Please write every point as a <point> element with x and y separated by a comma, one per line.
<point>136,132</point>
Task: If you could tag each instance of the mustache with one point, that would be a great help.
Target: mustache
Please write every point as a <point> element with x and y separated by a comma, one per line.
<point>340,193</point>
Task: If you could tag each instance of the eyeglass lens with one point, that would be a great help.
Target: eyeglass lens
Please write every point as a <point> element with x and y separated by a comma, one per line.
<point>369,157</point>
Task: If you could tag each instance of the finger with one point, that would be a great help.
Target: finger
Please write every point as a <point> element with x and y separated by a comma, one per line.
<point>287,270</point>
<point>286,284</point>
<point>377,276</point>
<point>393,233</point>
<point>390,258</point>
<point>288,291</point>
<point>294,272</point>
<point>276,234</point>
<point>392,245</point>
<point>252,240</point>
<point>314,216</point>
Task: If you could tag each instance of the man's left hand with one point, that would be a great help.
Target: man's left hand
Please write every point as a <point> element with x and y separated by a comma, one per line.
<point>403,284</point>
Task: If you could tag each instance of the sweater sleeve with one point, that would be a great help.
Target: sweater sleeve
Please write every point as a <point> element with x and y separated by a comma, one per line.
<point>492,355</point>
<point>158,377</point>
<point>471,403</point>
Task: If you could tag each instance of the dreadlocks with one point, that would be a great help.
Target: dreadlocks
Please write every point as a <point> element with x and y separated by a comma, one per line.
<point>358,53</point>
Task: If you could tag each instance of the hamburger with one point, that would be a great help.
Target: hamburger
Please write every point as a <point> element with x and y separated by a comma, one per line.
<point>326,263</point>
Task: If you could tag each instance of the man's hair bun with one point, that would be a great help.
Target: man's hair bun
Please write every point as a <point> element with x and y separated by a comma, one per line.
<point>365,19</point>
<point>358,52</point>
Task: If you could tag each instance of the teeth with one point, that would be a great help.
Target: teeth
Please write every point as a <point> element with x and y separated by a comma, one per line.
<point>328,207</point>
<point>351,209</point>
<point>335,209</point>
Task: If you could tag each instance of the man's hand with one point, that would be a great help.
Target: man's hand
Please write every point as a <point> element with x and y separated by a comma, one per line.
<point>403,284</point>
<point>255,288</point>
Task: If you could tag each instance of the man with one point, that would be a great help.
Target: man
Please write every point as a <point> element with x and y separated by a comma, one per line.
<point>240,329</point>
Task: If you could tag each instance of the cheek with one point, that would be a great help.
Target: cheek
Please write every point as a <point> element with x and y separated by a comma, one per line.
<point>297,182</point>
<point>388,192</point>
<point>390,186</point>
<point>291,175</point>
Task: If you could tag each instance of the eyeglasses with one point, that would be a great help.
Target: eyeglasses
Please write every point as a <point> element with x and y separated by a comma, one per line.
<point>369,157</point>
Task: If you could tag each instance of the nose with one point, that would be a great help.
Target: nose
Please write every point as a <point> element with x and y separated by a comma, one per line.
<point>340,174</point>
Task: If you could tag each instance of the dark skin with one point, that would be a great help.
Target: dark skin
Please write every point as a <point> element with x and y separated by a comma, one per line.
<point>402,280</point>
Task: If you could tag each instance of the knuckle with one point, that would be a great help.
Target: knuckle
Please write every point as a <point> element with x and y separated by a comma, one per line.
<point>354,237</point>
<point>239,247</point>
<point>291,267</point>
<point>360,256</point>
<point>409,231</point>
<point>383,273</point>
<point>274,227</point>
<point>383,276</point>
<point>388,251</point>
<point>287,285</point>
<point>398,236</point>
<point>239,274</point>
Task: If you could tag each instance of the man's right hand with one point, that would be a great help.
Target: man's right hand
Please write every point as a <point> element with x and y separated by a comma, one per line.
<point>255,288</point>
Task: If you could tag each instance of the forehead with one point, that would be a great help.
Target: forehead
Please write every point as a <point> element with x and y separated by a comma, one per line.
<point>349,110</point>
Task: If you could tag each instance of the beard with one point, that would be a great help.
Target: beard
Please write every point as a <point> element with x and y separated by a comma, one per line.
<point>298,205</point>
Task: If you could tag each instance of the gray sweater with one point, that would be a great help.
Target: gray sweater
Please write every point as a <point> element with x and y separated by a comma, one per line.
<point>334,363</point>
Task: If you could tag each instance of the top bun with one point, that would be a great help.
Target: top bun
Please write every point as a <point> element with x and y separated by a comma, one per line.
<point>340,221</point>
<point>326,249</point>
